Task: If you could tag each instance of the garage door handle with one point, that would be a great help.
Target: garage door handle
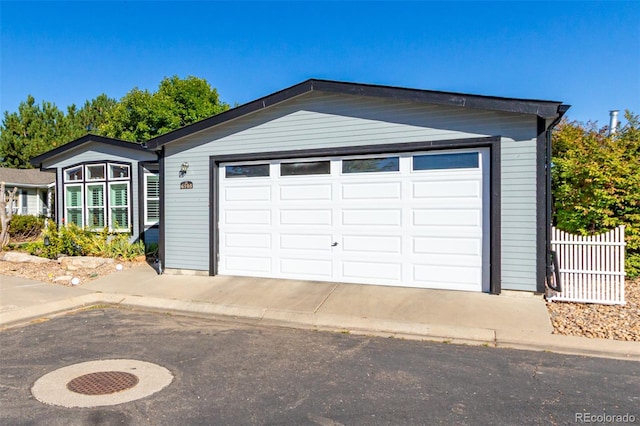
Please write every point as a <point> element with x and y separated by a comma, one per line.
<point>334,244</point>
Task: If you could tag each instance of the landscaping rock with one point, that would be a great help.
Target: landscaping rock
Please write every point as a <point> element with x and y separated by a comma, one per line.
<point>74,263</point>
<point>63,278</point>
<point>18,257</point>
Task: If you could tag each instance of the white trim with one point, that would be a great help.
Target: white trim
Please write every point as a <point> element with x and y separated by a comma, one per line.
<point>111,206</point>
<point>87,206</point>
<point>112,178</point>
<point>146,198</point>
<point>81,207</point>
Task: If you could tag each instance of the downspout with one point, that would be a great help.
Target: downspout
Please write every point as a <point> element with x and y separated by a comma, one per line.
<point>562,109</point>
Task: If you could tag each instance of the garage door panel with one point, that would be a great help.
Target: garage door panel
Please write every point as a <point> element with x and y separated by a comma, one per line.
<point>453,246</point>
<point>247,217</point>
<point>305,192</point>
<point>372,217</point>
<point>306,217</point>
<point>252,193</point>
<point>444,189</point>
<point>247,264</point>
<point>375,190</point>
<point>371,243</point>
<point>435,259</point>
<point>247,240</point>
<point>456,275</point>
<point>320,268</point>
<point>306,242</point>
<point>446,217</point>
<point>372,271</point>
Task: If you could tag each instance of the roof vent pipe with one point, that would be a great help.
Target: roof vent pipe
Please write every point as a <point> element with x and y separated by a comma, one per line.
<point>613,121</point>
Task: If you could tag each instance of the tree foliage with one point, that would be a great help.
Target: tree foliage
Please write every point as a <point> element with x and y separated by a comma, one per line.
<point>140,115</point>
<point>596,181</point>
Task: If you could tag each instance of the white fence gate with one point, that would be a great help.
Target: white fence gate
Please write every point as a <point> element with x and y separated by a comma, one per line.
<point>591,268</point>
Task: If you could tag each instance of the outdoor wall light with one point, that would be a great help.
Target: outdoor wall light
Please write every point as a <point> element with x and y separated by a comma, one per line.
<point>47,241</point>
<point>183,169</point>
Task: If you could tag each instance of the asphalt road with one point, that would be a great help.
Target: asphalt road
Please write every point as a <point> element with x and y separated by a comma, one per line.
<point>233,373</point>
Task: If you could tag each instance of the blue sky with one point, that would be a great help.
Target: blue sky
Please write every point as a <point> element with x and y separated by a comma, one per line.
<point>586,54</point>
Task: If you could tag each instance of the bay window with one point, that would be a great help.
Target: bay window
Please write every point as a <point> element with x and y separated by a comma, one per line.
<point>97,196</point>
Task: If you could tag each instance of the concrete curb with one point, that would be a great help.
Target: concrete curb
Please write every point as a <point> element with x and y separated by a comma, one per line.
<point>338,323</point>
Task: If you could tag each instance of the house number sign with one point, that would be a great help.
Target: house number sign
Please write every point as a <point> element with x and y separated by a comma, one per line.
<point>186,184</point>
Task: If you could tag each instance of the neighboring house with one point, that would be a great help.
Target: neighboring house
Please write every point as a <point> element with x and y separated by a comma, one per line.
<point>358,183</point>
<point>104,182</point>
<point>35,190</point>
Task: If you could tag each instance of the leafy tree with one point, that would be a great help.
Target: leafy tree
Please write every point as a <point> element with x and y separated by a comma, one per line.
<point>138,116</point>
<point>142,115</point>
<point>34,129</point>
<point>91,117</point>
<point>596,181</point>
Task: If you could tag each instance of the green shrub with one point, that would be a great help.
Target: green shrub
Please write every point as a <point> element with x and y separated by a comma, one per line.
<point>596,182</point>
<point>152,249</point>
<point>25,227</point>
<point>73,241</point>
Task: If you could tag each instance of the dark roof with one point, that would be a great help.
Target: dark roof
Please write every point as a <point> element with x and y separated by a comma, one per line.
<point>540,108</point>
<point>37,161</point>
<point>30,177</point>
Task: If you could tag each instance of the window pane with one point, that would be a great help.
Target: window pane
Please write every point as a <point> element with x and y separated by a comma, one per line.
<point>463,160</point>
<point>117,171</point>
<point>153,186</point>
<point>95,195</point>
<point>74,174</point>
<point>365,165</point>
<point>74,215</point>
<point>118,195</point>
<point>152,198</point>
<point>73,196</point>
<point>153,211</point>
<point>120,217</point>
<point>307,168</point>
<point>95,217</point>
<point>95,172</point>
<point>251,170</point>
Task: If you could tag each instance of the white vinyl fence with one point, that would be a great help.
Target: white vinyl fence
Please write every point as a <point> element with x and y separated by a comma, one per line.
<point>591,268</point>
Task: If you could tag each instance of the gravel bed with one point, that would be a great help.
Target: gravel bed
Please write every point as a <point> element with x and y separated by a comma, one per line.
<point>48,272</point>
<point>599,321</point>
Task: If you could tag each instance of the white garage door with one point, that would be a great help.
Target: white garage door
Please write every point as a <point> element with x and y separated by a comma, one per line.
<point>410,219</point>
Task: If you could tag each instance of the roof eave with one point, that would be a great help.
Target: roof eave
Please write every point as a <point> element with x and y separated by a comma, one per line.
<point>540,108</point>
<point>38,160</point>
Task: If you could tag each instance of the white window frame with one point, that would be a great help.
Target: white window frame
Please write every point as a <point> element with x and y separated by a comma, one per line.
<point>66,174</point>
<point>110,177</point>
<point>128,206</point>
<point>87,206</point>
<point>147,222</point>
<point>86,172</point>
<point>81,207</point>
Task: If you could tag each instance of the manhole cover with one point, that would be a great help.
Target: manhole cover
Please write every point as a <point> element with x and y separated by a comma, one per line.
<point>102,383</point>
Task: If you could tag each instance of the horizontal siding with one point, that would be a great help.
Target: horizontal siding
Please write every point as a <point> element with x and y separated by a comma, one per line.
<point>98,152</point>
<point>315,121</point>
<point>519,214</point>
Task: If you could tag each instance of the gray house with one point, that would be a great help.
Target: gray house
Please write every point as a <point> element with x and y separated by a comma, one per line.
<point>104,182</point>
<point>344,182</point>
<point>35,190</point>
<point>358,183</point>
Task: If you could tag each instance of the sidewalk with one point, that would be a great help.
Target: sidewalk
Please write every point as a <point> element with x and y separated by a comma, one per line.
<point>511,320</point>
